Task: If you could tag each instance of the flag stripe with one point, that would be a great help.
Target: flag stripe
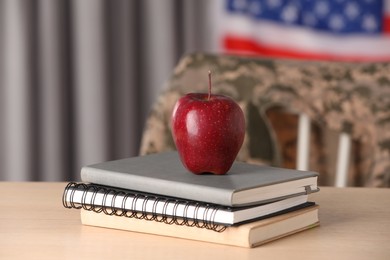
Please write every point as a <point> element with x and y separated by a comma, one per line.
<point>386,25</point>
<point>242,45</point>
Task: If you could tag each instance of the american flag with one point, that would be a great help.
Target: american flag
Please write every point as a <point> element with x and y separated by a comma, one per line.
<point>353,30</point>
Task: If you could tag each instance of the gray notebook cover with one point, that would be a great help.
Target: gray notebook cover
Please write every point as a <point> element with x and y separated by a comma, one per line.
<point>164,174</point>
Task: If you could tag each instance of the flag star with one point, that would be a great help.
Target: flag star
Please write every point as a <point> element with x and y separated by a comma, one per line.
<point>336,22</point>
<point>321,8</point>
<point>290,14</point>
<point>309,19</point>
<point>239,4</point>
<point>256,8</point>
<point>351,10</point>
<point>369,23</point>
<point>274,3</point>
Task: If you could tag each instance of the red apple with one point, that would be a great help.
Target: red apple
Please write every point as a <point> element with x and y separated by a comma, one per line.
<point>208,131</point>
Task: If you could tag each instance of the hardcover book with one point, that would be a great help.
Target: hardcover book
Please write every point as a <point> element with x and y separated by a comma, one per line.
<point>247,235</point>
<point>164,174</point>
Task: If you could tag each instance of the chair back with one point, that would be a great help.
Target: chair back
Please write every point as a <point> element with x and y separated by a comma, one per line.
<point>331,117</point>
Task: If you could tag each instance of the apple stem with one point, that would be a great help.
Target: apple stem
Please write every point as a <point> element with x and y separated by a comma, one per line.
<point>209,85</point>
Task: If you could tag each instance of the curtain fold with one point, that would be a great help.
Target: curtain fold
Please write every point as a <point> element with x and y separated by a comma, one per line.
<point>54,80</point>
<point>78,78</point>
<point>17,91</point>
<point>122,69</point>
<point>90,83</point>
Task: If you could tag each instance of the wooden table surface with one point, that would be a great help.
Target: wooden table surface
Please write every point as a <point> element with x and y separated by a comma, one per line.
<point>355,224</point>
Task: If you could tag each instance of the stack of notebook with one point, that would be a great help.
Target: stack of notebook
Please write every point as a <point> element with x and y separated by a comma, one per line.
<point>248,206</point>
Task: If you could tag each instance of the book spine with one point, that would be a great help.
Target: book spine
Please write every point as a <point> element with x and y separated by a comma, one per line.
<point>109,201</point>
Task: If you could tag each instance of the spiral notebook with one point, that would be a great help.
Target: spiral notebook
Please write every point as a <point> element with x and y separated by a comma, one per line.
<point>135,204</point>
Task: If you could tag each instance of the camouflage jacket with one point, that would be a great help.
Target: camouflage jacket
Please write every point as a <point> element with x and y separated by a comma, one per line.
<point>342,97</point>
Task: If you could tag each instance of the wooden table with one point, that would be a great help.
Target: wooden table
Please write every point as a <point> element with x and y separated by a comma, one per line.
<point>355,224</point>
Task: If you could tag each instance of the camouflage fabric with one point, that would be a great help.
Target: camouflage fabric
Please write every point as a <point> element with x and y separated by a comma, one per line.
<point>342,97</point>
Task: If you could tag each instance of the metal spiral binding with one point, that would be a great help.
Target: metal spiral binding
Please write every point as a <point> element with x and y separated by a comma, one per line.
<point>186,220</point>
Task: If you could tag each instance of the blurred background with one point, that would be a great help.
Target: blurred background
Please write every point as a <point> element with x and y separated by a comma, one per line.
<point>78,78</point>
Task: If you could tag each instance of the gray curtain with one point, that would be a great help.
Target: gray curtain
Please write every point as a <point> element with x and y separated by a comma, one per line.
<point>77,78</point>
